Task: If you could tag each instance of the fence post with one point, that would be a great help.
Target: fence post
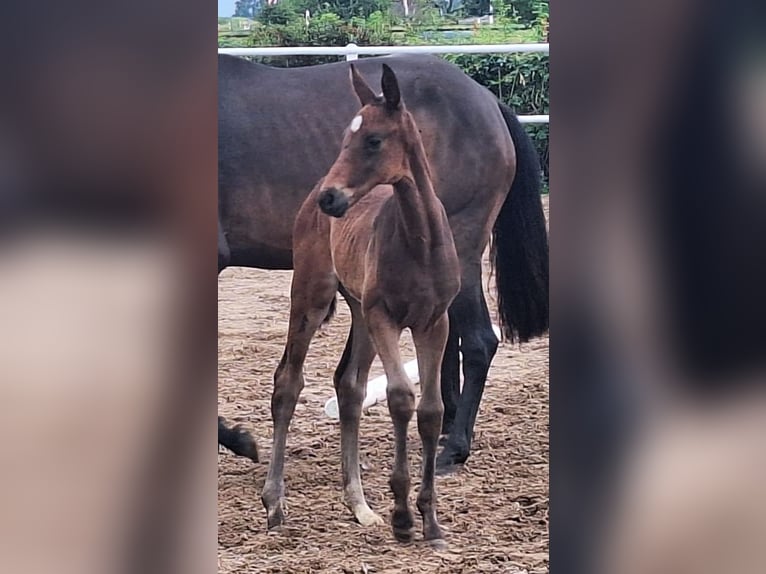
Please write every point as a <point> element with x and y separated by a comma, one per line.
<point>351,55</point>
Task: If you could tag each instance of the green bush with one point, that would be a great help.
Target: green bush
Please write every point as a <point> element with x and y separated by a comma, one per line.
<point>324,30</point>
<point>344,9</point>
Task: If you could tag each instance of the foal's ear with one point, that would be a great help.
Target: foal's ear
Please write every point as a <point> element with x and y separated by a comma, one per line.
<point>390,86</point>
<point>361,87</point>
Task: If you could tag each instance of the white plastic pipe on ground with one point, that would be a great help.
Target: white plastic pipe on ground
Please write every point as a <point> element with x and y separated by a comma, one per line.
<point>376,388</point>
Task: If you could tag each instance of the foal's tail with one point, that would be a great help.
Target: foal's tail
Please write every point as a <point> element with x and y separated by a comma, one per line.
<point>519,249</point>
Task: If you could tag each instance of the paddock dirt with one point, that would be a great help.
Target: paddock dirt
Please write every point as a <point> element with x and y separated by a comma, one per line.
<point>494,511</point>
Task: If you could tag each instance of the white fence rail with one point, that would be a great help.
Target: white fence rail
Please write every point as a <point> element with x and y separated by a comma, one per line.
<point>352,52</point>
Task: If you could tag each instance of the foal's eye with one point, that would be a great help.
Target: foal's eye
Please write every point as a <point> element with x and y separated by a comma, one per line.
<point>373,143</point>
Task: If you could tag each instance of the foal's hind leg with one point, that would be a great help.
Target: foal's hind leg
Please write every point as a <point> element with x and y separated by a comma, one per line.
<point>311,296</point>
<point>429,345</point>
<point>350,387</point>
<point>400,393</point>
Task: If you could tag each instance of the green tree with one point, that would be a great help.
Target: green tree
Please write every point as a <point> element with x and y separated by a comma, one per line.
<point>278,14</point>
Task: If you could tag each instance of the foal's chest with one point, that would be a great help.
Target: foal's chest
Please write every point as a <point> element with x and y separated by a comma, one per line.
<point>413,293</point>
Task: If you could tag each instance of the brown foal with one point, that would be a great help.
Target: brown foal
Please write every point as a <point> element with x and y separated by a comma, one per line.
<point>389,249</point>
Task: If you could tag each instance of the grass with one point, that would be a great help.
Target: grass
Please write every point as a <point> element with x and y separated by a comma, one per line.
<point>233,41</point>
<point>482,35</point>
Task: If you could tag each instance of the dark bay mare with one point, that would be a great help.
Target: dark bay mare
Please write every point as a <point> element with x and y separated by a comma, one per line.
<point>280,130</point>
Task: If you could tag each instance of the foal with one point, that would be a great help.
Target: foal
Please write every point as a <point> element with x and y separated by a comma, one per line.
<point>389,249</point>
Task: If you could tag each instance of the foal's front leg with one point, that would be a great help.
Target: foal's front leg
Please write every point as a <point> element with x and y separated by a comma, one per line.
<point>400,393</point>
<point>429,345</point>
<point>350,387</point>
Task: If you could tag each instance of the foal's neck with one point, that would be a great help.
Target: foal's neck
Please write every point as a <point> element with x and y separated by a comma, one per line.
<point>420,210</point>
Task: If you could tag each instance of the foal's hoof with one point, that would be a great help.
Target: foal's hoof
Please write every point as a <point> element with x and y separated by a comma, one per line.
<point>403,535</point>
<point>402,525</point>
<point>275,518</point>
<point>367,517</point>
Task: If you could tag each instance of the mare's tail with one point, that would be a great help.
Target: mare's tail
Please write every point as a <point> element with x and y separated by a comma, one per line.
<point>519,250</point>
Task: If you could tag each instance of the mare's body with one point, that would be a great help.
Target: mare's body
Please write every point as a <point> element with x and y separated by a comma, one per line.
<point>280,131</point>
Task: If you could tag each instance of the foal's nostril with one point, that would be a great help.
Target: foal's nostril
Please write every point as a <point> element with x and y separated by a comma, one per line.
<point>327,198</point>
<point>333,202</point>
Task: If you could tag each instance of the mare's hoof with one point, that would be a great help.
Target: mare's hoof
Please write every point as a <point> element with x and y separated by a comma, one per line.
<point>447,469</point>
<point>438,544</point>
<point>246,445</point>
<point>450,460</point>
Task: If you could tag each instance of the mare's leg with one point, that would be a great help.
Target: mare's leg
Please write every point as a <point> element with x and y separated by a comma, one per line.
<point>313,291</point>
<point>237,440</point>
<point>350,387</point>
<point>224,253</point>
<point>400,393</point>
<point>429,345</point>
<point>450,379</point>
<point>478,345</point>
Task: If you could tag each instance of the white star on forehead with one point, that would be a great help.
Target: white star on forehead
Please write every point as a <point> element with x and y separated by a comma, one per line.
<point>356,123</point>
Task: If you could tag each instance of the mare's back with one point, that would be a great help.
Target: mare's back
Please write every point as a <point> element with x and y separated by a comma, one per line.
<point>287,123</point>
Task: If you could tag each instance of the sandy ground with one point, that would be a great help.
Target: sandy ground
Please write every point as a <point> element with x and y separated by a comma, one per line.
<point>494,511</point>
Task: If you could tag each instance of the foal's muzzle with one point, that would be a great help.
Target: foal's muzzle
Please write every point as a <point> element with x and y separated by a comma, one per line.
<point>333,202</point>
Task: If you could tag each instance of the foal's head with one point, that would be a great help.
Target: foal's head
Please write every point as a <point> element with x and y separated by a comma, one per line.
<point>375,148</point>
